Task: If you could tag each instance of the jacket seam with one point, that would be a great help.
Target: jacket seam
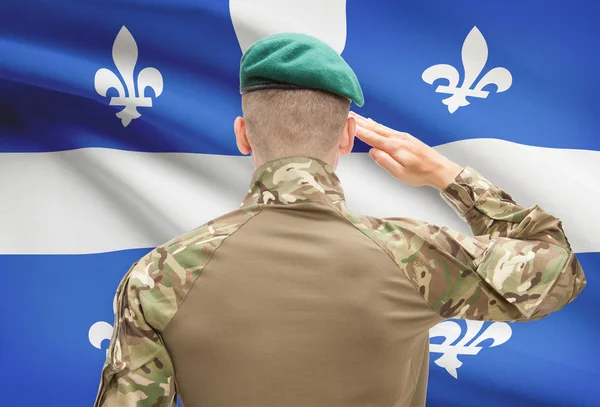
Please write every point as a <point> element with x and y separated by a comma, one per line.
<point>391,258</point>
<point>303,201</point>
<point>207,263</point>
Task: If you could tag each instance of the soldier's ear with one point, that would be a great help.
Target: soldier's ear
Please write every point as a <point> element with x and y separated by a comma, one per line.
<point>347,141</point>
<point>351,123</point>
<point>241,137</point>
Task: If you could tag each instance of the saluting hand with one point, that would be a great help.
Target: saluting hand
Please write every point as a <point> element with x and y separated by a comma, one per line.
<point>405,157</point>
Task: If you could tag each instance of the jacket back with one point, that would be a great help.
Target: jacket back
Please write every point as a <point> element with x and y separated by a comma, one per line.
<point>292,300</point>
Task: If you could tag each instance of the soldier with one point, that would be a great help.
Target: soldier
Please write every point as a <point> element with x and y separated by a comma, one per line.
<point>293,300</point>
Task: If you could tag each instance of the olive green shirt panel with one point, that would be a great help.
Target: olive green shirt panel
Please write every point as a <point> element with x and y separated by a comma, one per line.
<point>138,369</point>
<point>312,313</point>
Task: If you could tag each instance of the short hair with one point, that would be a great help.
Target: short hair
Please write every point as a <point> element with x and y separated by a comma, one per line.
<point>289,122</point>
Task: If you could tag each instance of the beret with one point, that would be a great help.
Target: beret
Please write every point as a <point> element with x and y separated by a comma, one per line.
<point>295,61</point>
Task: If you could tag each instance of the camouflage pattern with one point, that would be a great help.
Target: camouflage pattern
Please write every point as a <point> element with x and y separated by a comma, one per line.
<point>138,370</point>
<point>294,179</point>
<point>519,266</point>
<point>530,259</point>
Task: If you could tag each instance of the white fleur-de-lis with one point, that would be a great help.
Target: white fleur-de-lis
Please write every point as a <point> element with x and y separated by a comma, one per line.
<point>474,57</point>
<point>99,332</point>
<point>500,332</point>
<point>125,55</point>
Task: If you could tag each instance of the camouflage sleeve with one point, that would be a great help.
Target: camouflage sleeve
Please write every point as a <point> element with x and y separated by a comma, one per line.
<point>519,265</point>
<point>138,370</point>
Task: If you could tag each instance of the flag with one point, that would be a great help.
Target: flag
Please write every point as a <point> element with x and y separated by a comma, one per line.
<point>116,135</point>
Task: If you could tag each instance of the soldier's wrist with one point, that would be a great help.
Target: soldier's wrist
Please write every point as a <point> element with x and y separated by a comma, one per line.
<point>445,175</point>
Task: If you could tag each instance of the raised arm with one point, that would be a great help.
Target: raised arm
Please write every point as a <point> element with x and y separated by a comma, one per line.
<point>519,266</point>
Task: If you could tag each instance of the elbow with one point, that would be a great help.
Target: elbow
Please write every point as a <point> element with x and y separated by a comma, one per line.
<point>577,278</point>
<point>566,287</point>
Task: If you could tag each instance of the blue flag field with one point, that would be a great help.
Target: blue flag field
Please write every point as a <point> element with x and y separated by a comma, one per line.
<point>116,135</point>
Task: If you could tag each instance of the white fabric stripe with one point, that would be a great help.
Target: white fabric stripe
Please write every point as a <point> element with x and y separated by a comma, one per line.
<point>97,200</point>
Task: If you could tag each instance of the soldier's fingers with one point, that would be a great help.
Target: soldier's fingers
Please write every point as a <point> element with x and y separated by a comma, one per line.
<point>359,117</point>
<point>378,127</point>
<point>387,162</point>
<point>370,124</point>
<point>367,123</point>
<point>373,139</point>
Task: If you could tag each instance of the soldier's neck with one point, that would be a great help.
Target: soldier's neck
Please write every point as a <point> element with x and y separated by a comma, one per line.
<point>331,159</point>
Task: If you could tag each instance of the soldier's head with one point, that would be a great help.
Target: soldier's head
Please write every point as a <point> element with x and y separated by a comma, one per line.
<point>287,122</point>
<point>296,95</point>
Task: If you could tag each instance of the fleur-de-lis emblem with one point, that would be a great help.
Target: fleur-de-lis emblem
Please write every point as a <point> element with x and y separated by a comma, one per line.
<point>125,55</point>
<point>474,57</point>
<point>500,332</point>
<point>98,332</point>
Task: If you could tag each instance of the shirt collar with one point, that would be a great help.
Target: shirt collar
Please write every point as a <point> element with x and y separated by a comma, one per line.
<point>294,179</point>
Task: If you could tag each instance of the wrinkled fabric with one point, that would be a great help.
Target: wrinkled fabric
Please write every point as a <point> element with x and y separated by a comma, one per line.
<point>518,266</point>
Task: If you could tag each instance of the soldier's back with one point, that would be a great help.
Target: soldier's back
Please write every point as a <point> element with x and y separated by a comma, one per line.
<point>286,301</point>
<point>298,307</point>
<point>292,300</point>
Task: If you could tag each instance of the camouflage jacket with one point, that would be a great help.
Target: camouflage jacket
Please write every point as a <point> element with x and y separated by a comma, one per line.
<point>518,266</point>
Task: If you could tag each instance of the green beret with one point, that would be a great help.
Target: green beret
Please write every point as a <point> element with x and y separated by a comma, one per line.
<point>294,61</point>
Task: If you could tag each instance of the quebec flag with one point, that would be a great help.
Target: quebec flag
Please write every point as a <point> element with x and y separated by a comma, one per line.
<point>116,135</point>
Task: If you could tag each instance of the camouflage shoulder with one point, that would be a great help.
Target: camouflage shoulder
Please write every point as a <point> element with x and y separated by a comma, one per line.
<point>405,239</point>
<point>425,254</point>
<point>165,275</point>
